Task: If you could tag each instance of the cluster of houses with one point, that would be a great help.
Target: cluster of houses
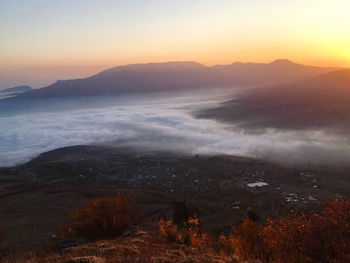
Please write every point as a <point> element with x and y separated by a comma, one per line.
<point>294,197</point>
<point>165,174</point>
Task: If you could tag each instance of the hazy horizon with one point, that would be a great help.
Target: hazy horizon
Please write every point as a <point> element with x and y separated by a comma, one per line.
<point>37,80</point>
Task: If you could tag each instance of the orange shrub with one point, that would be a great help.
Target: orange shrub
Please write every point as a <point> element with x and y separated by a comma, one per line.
<point>248,242</point>
<point>189,234</point>
<point>225,244</point>
<point>297,237</point>
<point>288,234</point>
<point>193,235</point>
<point>337,214</point>
<point>323,237</point>
<point>169,231</point>
<point>99,218</point>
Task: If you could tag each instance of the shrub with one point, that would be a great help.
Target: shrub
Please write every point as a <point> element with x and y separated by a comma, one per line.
<point>99,218</point>
<point>225,244</point>
<point>297,237</point>
<point>193,235</point>
<point>337,214</point>
<point>169,231</point>
<point>288,234</point>
<point>248,242</point>
<point>323,237</point>
<point>189,234</point>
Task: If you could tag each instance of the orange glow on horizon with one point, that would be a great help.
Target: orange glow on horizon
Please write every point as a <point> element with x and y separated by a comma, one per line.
<point>80,38</point>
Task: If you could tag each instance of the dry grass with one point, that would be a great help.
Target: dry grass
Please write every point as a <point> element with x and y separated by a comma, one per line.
<point>140,248</point>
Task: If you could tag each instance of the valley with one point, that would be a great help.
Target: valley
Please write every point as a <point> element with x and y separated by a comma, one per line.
<point>36,196</point>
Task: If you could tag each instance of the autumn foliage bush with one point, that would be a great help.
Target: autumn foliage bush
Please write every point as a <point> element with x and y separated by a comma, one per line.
<point>104,217</point>
<point>297,237</point>
<point>169,231</point>
<point>293,238</point>
<point>323,237</point>
<point>189,234</point>
<point>248,241</point>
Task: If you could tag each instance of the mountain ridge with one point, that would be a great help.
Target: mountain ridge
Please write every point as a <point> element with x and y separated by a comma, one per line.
<point>173,76</point>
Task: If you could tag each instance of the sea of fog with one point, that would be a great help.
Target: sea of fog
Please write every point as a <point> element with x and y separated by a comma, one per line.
<point>157,122</point>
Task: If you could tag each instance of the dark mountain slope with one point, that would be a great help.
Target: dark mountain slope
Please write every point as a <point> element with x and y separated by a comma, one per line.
<point>318,102</point>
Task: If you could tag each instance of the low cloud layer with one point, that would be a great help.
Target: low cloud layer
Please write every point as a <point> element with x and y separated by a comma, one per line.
<point>160,124</point>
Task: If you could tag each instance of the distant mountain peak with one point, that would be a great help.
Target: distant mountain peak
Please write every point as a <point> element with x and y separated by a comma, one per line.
<point>177,63</point>
<point>282,62</point>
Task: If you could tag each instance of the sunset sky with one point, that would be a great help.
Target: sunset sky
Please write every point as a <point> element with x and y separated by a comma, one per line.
<point>45,40</point>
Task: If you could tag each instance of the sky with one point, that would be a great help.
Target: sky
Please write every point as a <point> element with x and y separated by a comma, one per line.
<point>45,40</point>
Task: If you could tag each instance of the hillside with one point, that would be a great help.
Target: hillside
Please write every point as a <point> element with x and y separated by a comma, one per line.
<point>172,76</point>
<point>318,102</point>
